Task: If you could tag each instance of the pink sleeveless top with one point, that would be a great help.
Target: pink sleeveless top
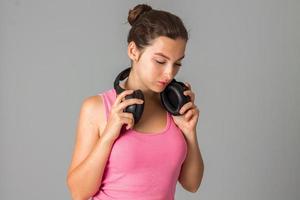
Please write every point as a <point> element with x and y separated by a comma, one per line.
<point>142,166</point>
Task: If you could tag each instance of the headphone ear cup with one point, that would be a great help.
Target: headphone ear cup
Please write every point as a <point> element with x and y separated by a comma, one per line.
<point>173,98</point>
<point>135,109</point>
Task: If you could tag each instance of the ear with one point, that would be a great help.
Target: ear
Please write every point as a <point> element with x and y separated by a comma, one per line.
<point>133,51</point>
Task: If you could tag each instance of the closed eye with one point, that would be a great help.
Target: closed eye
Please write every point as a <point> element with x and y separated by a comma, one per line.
<point>161,63</point>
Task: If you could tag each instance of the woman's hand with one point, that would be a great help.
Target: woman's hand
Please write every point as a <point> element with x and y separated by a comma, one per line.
<point>117,117</point>
<point>188,119</point>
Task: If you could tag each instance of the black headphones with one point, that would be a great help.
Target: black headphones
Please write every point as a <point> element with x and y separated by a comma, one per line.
<point>172,97</point>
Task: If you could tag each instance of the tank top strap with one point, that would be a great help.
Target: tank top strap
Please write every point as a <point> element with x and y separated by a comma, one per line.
<point>108,98</point>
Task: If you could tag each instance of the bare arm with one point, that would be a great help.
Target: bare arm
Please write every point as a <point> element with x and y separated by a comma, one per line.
<point>192,169</point>
<point>93,144</point>
<point>90,153</point>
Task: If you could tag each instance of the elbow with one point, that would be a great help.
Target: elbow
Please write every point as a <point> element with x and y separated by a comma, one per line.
<point>196,186</point>
<point>192,189</point>
<point>192,185</point>
<point>195,189</point>
<point>74,192</point>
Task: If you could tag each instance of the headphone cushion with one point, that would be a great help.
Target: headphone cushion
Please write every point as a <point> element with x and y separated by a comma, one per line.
<point>135,109</point>
<point>173,98</point>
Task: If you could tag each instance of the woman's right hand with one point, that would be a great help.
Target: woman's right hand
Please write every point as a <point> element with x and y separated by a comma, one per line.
<point>117,117</point>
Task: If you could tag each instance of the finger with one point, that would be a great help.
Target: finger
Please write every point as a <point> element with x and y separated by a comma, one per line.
<point>190,94</point>
<point>127,115</point>
<point>186,107</point>
<point>122,95</point>
<point>127,118</point>
<point>128,102</point>
<point>190,114</point>
<point>188,85</point>
<point>129,123</point>
<point>197,110</point>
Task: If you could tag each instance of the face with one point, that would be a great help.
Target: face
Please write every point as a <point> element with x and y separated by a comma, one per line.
<point>159,63</point>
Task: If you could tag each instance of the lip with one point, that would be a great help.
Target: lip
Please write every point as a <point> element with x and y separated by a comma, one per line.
<point>162,83</point>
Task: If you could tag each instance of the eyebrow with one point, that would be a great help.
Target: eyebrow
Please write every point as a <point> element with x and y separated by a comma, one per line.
<point>161,54</point>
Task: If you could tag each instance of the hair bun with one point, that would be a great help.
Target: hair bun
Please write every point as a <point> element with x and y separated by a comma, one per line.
<point>137,11</point>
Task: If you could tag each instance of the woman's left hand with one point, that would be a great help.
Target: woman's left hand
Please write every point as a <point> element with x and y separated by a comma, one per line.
<point>188,119</point>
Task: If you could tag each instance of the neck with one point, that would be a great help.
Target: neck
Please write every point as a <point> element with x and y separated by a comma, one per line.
<point>133,82</point>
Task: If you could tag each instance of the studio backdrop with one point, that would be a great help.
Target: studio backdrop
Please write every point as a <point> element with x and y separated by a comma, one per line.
<point>242,60</point>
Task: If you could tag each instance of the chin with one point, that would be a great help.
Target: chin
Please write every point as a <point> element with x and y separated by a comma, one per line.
<point>158,89</point>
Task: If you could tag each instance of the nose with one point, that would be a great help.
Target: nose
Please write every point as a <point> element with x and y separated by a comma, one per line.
<point>169,72</point>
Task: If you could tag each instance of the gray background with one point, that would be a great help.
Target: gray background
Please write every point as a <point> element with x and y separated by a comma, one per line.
<point>242,59</point>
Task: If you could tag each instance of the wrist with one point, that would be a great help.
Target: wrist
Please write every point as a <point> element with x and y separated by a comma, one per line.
<point>192,137</point>
<point>107,140</point>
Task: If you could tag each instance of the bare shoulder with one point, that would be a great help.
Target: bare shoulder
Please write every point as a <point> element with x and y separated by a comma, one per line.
<point>90,122</point>
<point>93,107</point>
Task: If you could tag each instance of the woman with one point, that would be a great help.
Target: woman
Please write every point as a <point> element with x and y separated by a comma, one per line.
<point>142,160</point>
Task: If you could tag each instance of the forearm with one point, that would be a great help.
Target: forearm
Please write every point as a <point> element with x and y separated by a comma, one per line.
<point>85,179</point>
<point>192,169</point>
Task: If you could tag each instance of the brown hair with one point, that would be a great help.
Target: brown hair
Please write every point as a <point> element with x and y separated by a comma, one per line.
<point>148,24</point>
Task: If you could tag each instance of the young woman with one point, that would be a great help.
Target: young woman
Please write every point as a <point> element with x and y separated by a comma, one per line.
<point>140,160</point>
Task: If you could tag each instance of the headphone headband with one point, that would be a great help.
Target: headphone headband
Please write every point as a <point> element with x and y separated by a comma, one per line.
<point>122,75</point>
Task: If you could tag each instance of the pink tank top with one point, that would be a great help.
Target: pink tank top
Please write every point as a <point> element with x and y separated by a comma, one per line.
<point>142,166</point>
